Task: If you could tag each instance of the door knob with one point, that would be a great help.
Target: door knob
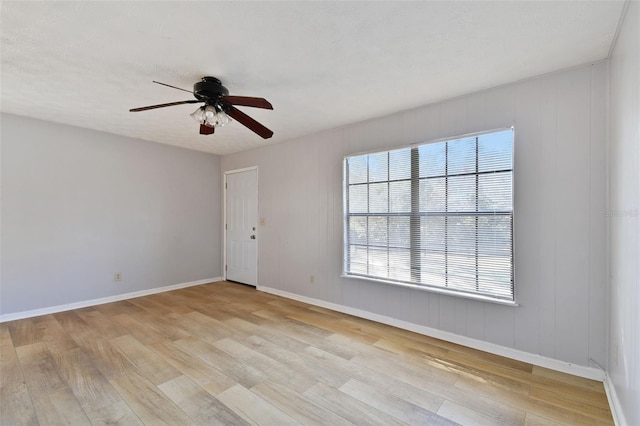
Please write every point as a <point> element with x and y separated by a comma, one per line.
<point>253,237</point>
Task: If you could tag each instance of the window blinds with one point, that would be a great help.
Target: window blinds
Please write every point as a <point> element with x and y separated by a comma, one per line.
<point>434,215</point>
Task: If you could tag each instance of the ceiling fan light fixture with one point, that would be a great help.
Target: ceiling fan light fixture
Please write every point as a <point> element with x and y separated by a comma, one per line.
<point>210,116</point>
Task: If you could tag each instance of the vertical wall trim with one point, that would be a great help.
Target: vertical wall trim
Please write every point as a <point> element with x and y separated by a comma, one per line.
<point>614,402</point>
<point>614,41</point>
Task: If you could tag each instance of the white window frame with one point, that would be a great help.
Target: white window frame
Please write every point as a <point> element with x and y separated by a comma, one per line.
<point>422,286</point>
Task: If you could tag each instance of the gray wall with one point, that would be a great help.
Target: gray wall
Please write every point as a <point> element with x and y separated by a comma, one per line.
<point>560,224</point>
<point>79,205</point>
<point>624,217</point>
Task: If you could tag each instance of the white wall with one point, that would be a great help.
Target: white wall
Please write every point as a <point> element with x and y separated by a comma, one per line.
<point>79,205</point>
<point>624,218</point>
<point>560,225</point>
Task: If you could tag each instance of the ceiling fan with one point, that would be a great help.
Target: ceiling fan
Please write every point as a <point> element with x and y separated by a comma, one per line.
<point>218,107</point>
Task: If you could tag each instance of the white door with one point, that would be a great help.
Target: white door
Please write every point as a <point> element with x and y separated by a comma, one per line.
<point>241,251</point>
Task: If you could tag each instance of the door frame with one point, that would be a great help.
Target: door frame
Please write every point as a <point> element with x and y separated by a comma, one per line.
<point>224,217</point>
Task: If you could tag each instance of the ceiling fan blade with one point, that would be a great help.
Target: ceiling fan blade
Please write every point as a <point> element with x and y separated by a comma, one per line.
<point>249,122</point>
<point>206,130</point>
<point>193,101</point>
<point>249,101</point>
<point>173,87</point>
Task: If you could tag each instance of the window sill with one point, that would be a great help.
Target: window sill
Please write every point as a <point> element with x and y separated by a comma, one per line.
<point>436,290</point>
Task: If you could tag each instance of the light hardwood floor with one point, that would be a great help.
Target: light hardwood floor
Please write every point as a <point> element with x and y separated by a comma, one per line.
<point>225,353</point>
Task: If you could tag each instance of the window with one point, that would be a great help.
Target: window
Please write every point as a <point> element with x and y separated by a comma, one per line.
<point>437,216</point>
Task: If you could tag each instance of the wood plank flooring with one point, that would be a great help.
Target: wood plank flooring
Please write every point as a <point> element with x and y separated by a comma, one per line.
<point>224,353</point>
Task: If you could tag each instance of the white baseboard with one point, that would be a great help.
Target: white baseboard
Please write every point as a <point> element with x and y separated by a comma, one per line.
<point>102,300</point>
<point>614,402</point>
<point>539,360</point>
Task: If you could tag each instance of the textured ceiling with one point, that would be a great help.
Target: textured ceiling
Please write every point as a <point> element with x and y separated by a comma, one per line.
<point>321,64</point>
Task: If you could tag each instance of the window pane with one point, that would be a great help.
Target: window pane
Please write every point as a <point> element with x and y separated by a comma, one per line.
<point>400,164</point>
<point>494,277</point>
<point>494,192</point>
<point>494,235</point>
<point>461,156</point>
<point>378,262</point>
<point>432,234</point>
<point>400,196</point>
<point>357,169</point>
<point>379,197</point>
<point>461,234</point>
<point>378,231</point>
<point>462,194</point>
<point>461,271</point>
<point>399,232</point>
<point>358,199</point>
<point>399,264</point>
<point>432,268</point>
<point>432,159</point>
<point>378,167</point>
<point>358,259</point>
<point>432,195</point>
<point>495,151</point>
<point>358,230</point>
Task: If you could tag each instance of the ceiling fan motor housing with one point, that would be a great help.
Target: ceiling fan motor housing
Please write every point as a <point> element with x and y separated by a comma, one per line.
<point>209,90</point>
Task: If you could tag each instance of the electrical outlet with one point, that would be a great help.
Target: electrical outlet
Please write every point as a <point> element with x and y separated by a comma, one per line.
<point>312,279</point>
<point>117,276</point>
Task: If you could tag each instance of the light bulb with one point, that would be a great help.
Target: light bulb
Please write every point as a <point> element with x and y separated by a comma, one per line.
<point>209,111</point>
